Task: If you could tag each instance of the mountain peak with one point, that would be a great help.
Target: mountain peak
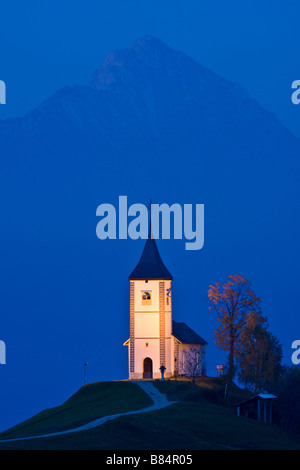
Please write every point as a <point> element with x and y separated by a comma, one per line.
<point>149,43</point>
<point>122,64</point>
<point>161,95</point>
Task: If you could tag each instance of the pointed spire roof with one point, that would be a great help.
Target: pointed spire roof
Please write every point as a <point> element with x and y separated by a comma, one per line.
<point>150,266</point>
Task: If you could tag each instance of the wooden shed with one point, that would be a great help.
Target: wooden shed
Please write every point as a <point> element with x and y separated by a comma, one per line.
<point>258,407</point>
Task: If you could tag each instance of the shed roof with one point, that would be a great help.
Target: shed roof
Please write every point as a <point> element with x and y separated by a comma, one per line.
<point>263,396</point>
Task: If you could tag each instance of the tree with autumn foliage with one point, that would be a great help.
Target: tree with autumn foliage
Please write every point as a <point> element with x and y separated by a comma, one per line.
<point>237,307</point>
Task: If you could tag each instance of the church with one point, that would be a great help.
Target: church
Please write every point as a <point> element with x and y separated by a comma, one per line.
<point>156,340</point>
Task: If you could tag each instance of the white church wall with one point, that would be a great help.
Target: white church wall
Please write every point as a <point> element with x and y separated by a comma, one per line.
<point>147,325</point>
<point>188,349</point>
<point>169,357</point>
<point>168,325</point>
<point>168,308</point>
<point>142,351</point>
<point>168,330</point>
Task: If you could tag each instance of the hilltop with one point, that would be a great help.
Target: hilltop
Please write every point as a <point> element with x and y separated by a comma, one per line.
<point>200,420</point>
<point>151,123</point>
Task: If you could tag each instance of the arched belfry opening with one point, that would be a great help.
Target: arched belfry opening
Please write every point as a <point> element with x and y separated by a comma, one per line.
<point>147,368</point>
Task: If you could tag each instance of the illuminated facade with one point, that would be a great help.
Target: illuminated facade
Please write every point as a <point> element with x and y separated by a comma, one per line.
<point>155,339</point>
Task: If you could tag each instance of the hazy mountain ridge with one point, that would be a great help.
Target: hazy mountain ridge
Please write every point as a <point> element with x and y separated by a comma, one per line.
<point>151,89</point>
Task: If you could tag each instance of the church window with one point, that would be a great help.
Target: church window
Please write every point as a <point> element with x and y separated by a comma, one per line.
<point>146,297</point>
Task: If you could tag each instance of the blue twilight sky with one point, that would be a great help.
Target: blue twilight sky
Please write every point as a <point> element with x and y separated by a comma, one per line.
<point>46,45</point>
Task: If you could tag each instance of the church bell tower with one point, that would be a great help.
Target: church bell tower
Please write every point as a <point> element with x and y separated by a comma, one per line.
<point>150,342</point>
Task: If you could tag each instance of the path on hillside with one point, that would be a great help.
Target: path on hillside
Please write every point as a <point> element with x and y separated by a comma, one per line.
<point>159,399</point>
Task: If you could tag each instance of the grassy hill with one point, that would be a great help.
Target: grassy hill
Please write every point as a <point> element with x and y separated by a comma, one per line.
<point>202,419</point>
<point>89,403</point>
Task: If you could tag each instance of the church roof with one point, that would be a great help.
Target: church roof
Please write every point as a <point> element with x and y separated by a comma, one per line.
<point>150,265</point>
<point>185,334</point>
